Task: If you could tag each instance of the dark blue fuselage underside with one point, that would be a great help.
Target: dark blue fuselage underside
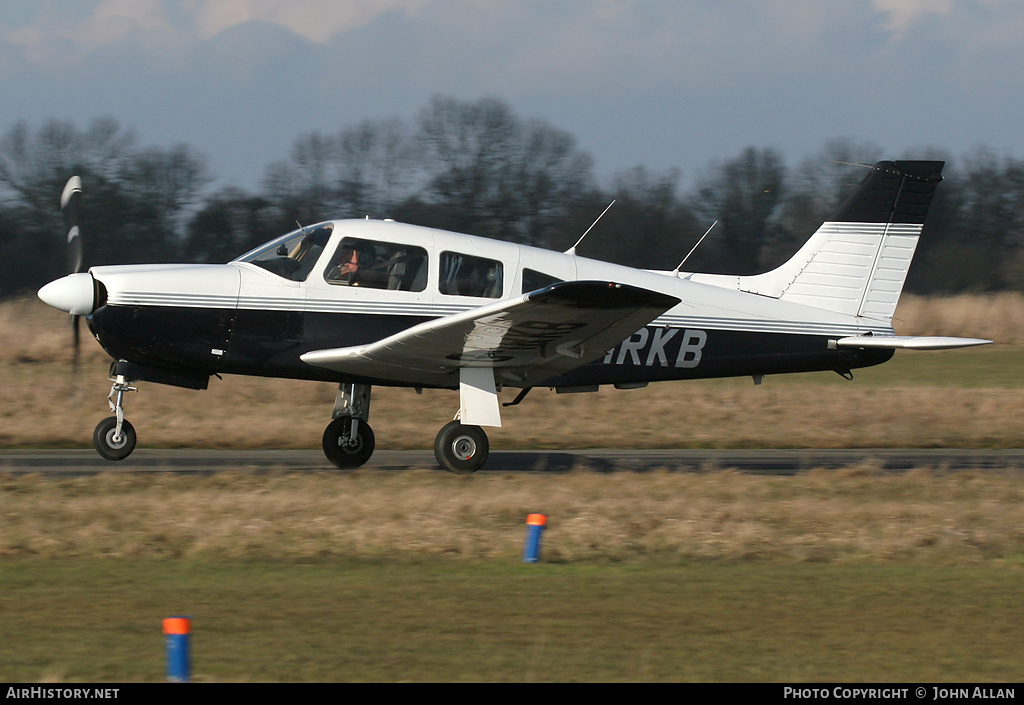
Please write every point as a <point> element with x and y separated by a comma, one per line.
<point>204,341</point>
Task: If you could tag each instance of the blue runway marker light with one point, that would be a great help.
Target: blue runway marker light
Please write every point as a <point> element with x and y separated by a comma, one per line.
<point>177,631</point>
<point>535,524</point>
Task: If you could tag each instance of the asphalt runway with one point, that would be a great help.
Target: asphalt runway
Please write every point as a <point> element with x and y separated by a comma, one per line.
<point>768,462</point>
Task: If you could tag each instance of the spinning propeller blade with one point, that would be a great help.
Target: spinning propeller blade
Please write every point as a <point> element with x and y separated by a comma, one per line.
<point>69,203</point>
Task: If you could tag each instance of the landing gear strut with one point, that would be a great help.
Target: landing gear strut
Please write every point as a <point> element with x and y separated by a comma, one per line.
<point>114,437</point>
<point>348,440</point>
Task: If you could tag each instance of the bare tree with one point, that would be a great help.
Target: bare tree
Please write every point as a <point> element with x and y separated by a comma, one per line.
<point>135,201</point>
<point>744,195</point>
<point>649,226</point>
<point>490,173</point>
<point>377,166</point>
<point>363,170</point>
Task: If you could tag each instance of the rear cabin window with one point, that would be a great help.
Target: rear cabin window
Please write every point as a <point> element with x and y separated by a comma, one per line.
<point>533,280</point>
<point>466,275</point>
<point>378,265</point>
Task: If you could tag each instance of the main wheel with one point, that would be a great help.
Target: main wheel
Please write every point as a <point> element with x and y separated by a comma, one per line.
<point>343,451</point>
<point>109,446</point>
<point>461,449</point>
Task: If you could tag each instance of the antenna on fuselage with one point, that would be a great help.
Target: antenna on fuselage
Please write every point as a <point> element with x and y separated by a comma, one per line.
<point>675,271</point>
<point>572,250</point>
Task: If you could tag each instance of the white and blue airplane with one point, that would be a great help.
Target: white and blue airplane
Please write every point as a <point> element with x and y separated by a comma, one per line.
<point>362,303</point>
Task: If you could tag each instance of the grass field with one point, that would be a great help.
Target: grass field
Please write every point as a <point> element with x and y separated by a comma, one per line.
<point>504,622</point>
<point>848,575</point>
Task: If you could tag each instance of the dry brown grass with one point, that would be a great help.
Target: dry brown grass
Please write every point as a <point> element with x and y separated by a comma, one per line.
<point>998,317</point>
<point>855,514</point>
<point>40,406</point>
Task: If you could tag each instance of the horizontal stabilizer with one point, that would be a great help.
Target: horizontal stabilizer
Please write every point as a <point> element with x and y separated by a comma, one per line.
<point>909,342</point>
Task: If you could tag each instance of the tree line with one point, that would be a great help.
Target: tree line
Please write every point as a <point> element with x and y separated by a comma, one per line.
<point>477,167</point>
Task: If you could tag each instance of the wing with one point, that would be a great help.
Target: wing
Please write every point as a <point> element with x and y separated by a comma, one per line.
<point>524,340</point>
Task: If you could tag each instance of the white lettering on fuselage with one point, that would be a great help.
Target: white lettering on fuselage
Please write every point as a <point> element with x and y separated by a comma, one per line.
<point>652,349</point>
<point>633,347</point>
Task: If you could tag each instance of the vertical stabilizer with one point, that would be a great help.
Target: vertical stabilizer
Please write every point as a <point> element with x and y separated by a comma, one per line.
<point>857,262</point>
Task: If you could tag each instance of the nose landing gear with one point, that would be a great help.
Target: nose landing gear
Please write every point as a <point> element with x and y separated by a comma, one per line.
<point>114,437</point>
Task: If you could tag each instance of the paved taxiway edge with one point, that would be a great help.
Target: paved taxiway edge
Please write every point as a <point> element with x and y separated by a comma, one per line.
<point>778,462</point>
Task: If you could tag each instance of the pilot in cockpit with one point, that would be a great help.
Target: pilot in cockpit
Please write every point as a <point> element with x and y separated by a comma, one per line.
<point>348,264</point>
<point>354,267</point>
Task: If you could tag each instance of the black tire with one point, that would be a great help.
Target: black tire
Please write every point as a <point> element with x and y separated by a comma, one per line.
<point>109,447</point>
<point>461,449</point>
<point>348,455</point>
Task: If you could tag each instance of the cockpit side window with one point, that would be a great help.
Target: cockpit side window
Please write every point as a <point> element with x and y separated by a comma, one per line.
<point>466,275</point>
<point>378,265</point>
<point>292,256</point>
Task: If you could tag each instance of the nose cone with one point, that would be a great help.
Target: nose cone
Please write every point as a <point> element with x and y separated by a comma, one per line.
<point>74,293</point>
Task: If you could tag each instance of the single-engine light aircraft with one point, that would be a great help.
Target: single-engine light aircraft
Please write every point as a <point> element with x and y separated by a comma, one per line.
<point>363,302</point>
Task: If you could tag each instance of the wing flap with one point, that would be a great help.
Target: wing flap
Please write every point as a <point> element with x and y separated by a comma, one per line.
<point>524,340</point>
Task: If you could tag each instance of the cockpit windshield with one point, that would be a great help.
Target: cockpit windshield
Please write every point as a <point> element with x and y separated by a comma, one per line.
<point>293,255</point>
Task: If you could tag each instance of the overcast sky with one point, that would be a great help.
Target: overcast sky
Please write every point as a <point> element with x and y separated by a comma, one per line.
<point>663,83</point>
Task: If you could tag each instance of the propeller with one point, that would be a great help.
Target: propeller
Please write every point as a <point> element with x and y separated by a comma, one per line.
<point>70,203</point>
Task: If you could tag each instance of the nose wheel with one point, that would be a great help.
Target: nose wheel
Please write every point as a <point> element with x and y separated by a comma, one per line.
<point>111,443</point>
<point>461,448</point>
<point>114,437</point>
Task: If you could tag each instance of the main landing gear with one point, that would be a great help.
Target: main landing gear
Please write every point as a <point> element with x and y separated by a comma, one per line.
<point>461,448</point>
<point>348,440</point>
<point>114,437</point>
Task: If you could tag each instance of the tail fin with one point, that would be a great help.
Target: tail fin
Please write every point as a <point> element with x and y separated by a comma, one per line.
<point>857,262</point>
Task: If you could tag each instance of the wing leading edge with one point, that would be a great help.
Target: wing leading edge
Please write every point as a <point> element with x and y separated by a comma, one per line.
<point>525,341</point>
